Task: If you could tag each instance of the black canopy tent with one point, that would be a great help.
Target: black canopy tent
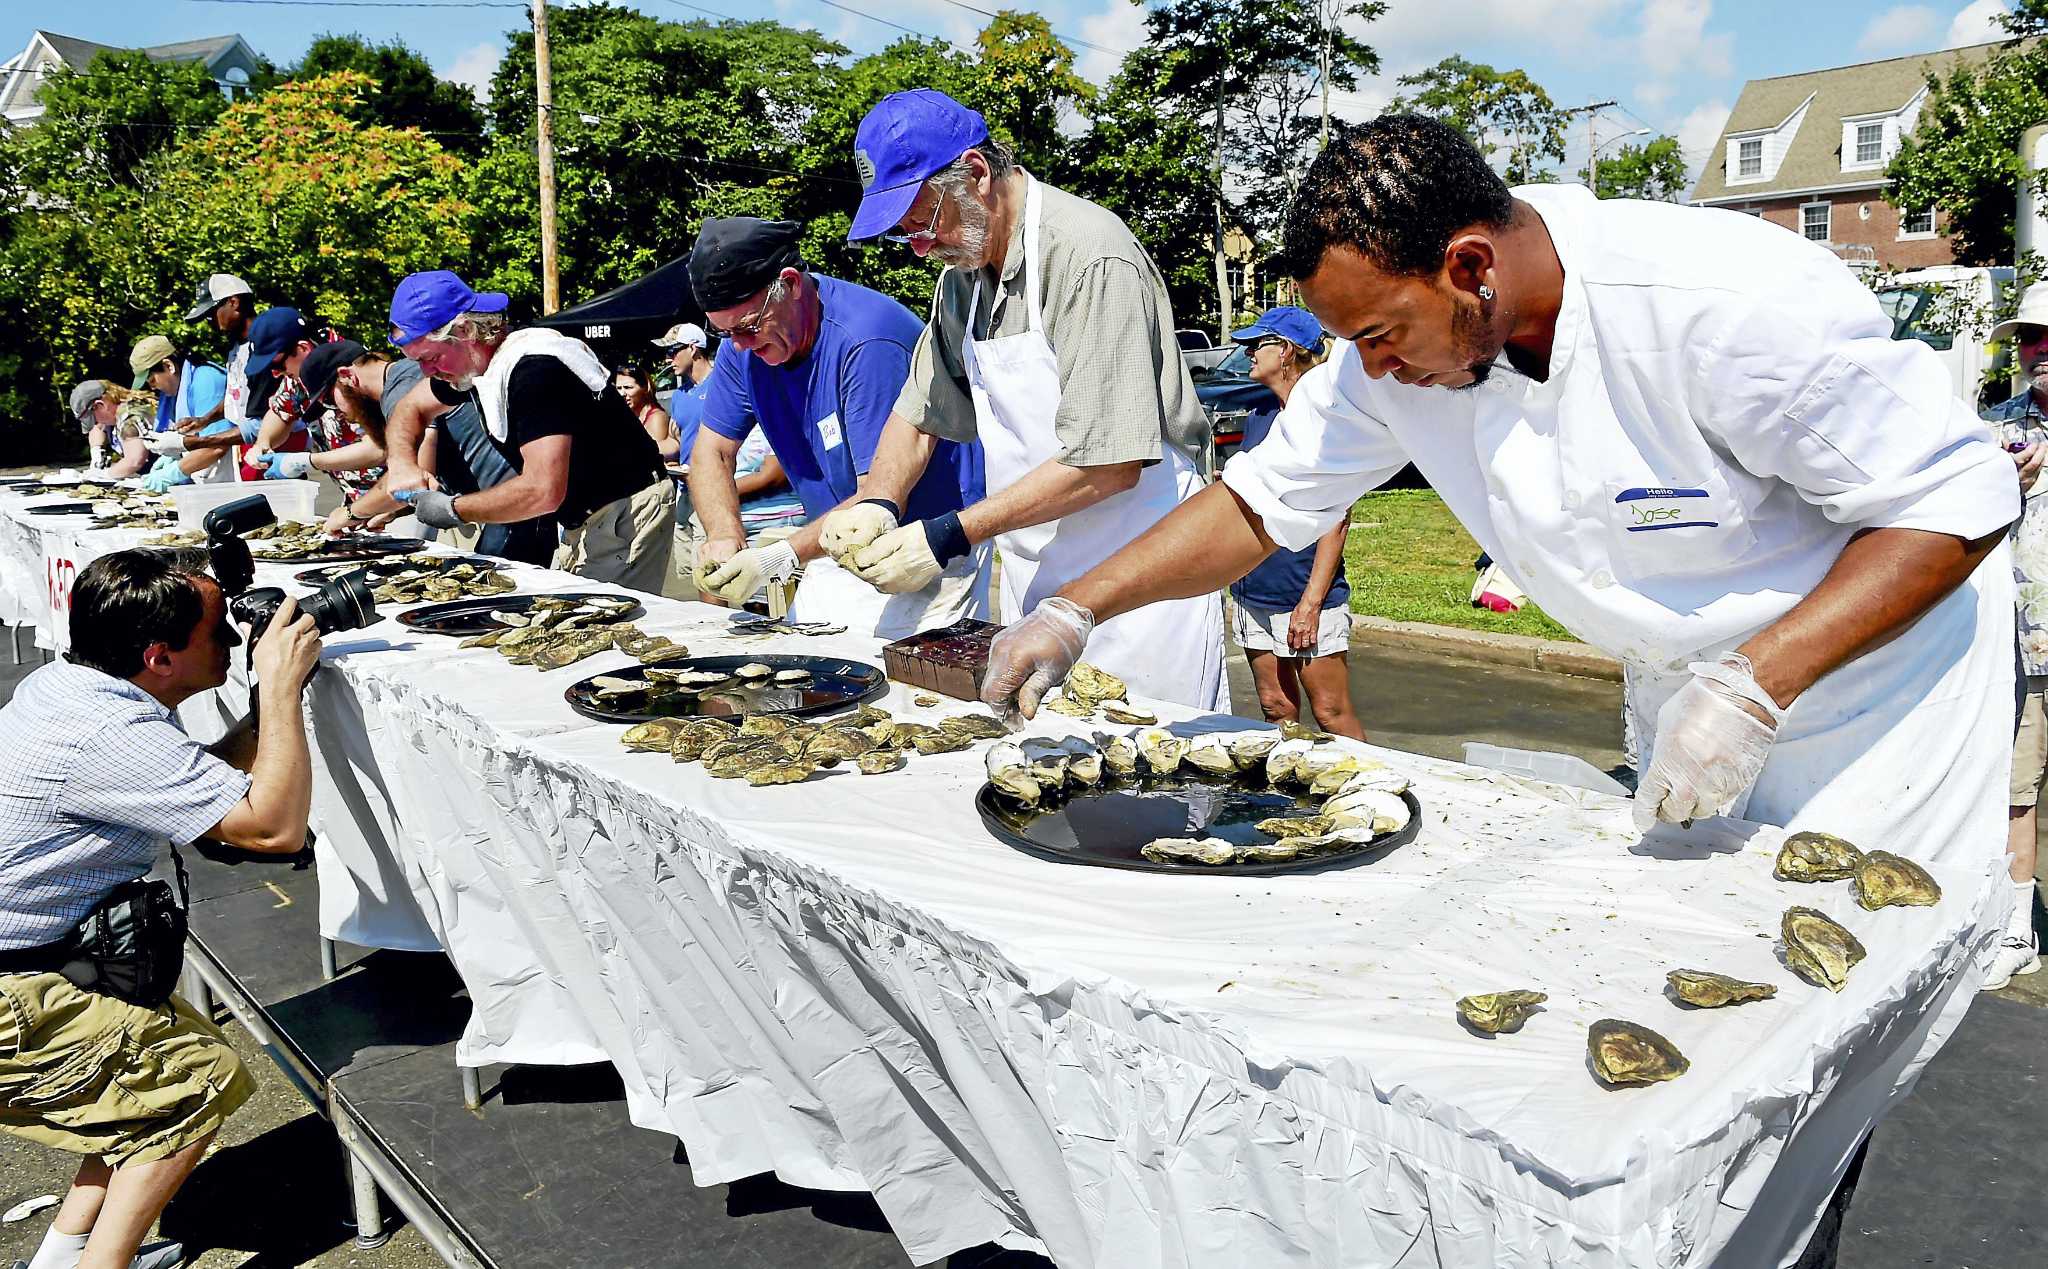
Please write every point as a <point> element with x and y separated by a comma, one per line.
<point>634,313</point>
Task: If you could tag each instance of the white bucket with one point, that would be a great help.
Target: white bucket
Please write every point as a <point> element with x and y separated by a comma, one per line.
<point>289,499</point>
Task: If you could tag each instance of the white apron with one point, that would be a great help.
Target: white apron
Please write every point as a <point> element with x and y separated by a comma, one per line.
<point>1169,651</point>
<point>830,593</point>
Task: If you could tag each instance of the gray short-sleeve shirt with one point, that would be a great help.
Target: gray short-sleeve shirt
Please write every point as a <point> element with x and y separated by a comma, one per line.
<point>1124,389</point>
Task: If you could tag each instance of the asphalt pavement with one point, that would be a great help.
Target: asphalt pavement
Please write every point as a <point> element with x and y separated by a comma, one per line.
<point>1953,1178</point>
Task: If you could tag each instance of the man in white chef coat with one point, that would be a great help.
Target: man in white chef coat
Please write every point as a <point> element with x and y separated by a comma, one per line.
<point>1689,436</point>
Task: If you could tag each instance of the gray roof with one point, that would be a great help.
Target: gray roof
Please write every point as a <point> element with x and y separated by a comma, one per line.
<point>1814,158</point>
<point>78,53</point>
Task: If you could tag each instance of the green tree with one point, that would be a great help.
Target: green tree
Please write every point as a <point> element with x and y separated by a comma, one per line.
<point>1654,170</point>
<point>408,94</point>
<point>101,125</point>
<point>1963,157</point>
<point>1505,113</point>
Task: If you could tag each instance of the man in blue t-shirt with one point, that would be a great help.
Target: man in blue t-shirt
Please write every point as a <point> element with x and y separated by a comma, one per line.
<point>817,363</point>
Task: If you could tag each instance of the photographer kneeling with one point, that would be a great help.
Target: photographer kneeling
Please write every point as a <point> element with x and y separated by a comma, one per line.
<point>96,1057</point>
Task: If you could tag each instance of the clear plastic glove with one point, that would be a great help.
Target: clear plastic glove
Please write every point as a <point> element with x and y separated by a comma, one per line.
<point>434,508</point>
<point>1713,737</point>
<point>1030,658</point>
<point>736,579</point>
<point>286,466</point>
<point>898,562</point>
<point>847,530</point>
<point>163,442</point>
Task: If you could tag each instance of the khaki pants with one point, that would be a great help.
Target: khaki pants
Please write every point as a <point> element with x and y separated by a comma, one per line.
<point>93,1075</point>
<point>626,541</point>
<point>2030,745</point>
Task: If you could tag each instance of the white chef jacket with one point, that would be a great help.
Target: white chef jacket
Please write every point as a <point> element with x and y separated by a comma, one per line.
<point>1725,407</point>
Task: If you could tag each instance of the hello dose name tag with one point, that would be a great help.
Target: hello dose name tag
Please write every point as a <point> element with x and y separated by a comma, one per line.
<point>828,432</point>
<point>1646,509</point>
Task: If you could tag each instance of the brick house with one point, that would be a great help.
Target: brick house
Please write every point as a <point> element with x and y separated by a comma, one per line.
<point>1808,152</point>
<point>227,58</point>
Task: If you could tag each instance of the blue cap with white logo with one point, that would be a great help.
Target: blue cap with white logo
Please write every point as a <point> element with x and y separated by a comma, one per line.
<point>1297,326</point>
<point>903,141</point>
<point>425,302</point>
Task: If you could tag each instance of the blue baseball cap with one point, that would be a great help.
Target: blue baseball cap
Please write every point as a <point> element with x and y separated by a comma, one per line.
<point>275,331</point>
<point>903,141</point>
<point>1297,326</point>
<point>425,302</point>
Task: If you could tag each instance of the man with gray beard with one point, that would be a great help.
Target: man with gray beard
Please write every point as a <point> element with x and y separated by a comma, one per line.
<point>2022,429</point>
<point>1051,341</point>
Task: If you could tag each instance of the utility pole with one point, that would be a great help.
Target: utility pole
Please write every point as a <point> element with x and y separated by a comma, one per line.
<point>1222,265</point>
<point>544,103</point>
<point>1329,16</point>
<point>1592,112</point>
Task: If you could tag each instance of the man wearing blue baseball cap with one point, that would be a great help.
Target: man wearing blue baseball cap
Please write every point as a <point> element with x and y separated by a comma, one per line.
<point>549,405</point>
<point>1050,341</point>
<point>280,339</point>
<point>815,363</point>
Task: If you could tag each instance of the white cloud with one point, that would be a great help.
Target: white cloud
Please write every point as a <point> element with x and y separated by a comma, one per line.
<point>1697,134</point>
<point>1977,23</point>
<point>473,67</point>
<point>1120,25</point>
<point>1672,40</point>
<point>1901,28</point>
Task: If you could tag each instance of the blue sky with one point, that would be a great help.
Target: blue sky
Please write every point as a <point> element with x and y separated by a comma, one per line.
<point>1673,65</point>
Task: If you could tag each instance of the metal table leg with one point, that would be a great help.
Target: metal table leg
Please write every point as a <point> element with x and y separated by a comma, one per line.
<point>328,971</point>
<point>368,1209</point>
<point>472,1087</point>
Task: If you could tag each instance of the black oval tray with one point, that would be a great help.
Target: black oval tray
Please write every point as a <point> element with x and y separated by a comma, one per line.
<point>360,548</point>
<point>381,568</point>
<point>835,684</point>
<point>62,509</point>
<point>1106,826</point>
<point>466,617</point>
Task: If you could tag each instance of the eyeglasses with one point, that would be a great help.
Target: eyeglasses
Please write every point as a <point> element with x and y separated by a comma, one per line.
<point>1270,341</point>
<point>929,234</point>
<point>752,325</point>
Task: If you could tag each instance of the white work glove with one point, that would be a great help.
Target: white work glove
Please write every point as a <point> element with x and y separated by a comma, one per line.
<point>161,443</point>
<point>1713,737</point>
<point>848,529</point>
<point>1030,658</point>
<point>736,580</point>
<point>285,466</point>
<point>898,562</point>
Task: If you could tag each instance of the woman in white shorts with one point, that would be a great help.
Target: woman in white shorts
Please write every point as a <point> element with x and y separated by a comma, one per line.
<point>1293,612</point>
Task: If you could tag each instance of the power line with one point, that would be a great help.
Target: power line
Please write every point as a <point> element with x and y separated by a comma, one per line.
<point>373,4</point>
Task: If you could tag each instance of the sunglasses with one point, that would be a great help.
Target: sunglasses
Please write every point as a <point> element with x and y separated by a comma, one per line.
<point>923,237</point>
<point>750,327</point>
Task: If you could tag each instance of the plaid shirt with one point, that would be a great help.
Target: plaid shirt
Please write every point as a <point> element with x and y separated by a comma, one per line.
<point>95,777</point>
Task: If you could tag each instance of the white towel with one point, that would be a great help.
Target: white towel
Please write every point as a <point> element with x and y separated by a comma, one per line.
<point>494,385</point>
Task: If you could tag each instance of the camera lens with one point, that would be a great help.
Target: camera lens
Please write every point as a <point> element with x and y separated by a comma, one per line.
<point>342,603</point>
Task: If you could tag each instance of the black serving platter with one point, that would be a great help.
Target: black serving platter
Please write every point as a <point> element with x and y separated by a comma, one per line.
<point>62,509</point>
<point>380,569</point>
<point>1106,826</point>
<point>835,684</point>
<point>351,548</point>
<point>467,617</point>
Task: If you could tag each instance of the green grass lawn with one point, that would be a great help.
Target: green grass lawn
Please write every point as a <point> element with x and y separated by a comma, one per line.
<point>1409,559</point>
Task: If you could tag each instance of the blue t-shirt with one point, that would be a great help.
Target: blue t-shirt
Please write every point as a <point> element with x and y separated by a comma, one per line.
<point>201,385</point>
<point>686,407</point>
<point>1279,580</point>
<point>823,413</point>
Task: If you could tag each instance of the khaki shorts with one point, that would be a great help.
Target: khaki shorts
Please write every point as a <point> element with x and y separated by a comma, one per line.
<point>93,1075</point>
<point>2030,747</point>
<point>1265,630</point>
<point>626,541</point>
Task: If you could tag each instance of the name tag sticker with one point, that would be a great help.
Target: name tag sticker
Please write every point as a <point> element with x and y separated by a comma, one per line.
<point>828,431</point>
<point>1649,508</point>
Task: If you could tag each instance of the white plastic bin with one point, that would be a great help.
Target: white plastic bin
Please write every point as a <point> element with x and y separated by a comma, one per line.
<point>290,499</point>
<point>1556,768</point>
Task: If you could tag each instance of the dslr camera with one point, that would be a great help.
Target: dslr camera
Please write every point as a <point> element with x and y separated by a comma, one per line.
<point>342,603</point>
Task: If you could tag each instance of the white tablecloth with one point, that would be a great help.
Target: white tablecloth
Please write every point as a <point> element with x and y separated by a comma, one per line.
<point>849,982</point>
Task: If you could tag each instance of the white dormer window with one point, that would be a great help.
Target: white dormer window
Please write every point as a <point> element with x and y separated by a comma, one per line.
<point>1749,157</point>
<point>235,83</point>
<point>1869,143</point>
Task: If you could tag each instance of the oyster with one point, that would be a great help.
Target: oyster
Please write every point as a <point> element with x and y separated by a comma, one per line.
<point>1817,949</point>
<point>569,651</point>
<point>791,743</point>
<point>765,724</point>
<point>1374,776</point>
<point>1162,750</point>
<point>697,735</point>
<point>1884,879</point>
<point>1088,686</point>
<point>897,735</point>
<point>1071,707</point>
<point>976,726</point>
<point>794,772</point>
<point>879,761</point>
<point>1119,754</point>
<point>1500,1012</point>
<point>1010,772</point>
<point>607,685</point>
<point>1291,849</point>
<point>1248,749</point>
<point>1084,761</point>
<point>1282,757</point>
<point>1285,826</point>
<point>1291,730</point>
<point>793,678</point>
<point>719,750</point>
<point>1375,809</point>
<point>1816,857</point>
<point>1210,851</point>
<point>753,670</point>
<point>940,740</point>
<point>1624,1053</point>
<point>864,714</point>
<point>1711,991</point>
<point>693,680</point>
<point>1120,711</point>
<point>1333,777</point>
<point>924,700</point>
<point>1048,760</point>
<point>1210,755</point>
<point>1320,760</point>
<point>834,745</point>
<point>656,735</point>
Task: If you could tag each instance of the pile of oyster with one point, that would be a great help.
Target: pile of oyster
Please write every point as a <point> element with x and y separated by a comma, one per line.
<point>185,537</point>
<point>553,633</point>
<point>660,682</point>
<point>754,628</point>
<point>426,580</point>
<point>1088,689</point>
<point>777,749</point>
<point>131,509</point>
<point>289,540</point>
<point>1818,948</point>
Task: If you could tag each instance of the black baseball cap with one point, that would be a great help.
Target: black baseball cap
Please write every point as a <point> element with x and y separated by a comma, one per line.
<point>317,371</point>
<point>737,256</point>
